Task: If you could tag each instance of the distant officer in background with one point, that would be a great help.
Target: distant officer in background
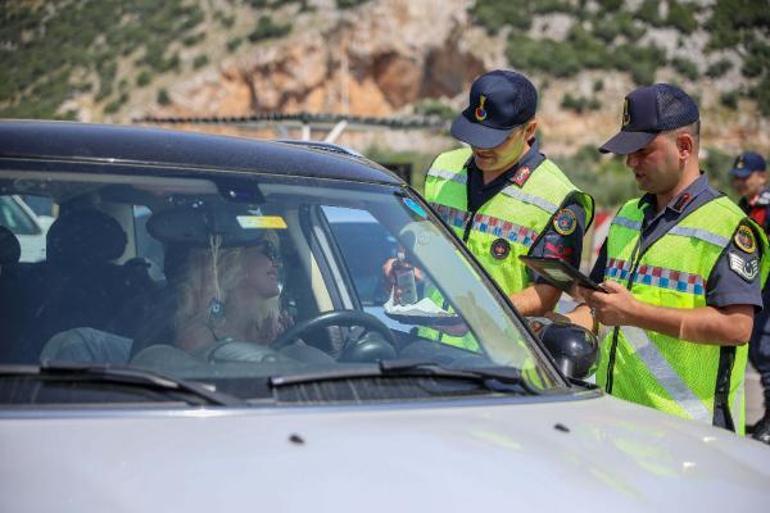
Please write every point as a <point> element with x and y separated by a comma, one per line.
<point>502,196</point>
<point>749,179</point>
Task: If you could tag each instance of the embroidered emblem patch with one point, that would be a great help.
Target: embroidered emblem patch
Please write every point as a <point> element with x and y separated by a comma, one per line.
<point>521,176</point>
<point>565,222</point>
<point>683,200</point>
<point>500,249</point>
<point>480,113</point>
<point>746,269</point>
<point>744,239</point>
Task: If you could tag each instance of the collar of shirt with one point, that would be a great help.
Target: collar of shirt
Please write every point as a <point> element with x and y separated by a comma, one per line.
<point>656,225</point>
<point>678,205</point>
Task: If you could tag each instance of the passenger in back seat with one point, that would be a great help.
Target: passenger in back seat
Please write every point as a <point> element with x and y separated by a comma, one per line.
<point>80,285</point>
<point>10,249</point>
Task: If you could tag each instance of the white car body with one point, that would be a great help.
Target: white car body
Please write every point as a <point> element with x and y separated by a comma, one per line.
<point>91,420</point>
<point>605,454</point>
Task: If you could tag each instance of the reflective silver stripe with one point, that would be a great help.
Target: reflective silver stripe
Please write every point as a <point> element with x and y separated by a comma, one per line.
<point>697,233</point>
<point>446,174</point>
<point>627,223</point>
<point>648,352</point>
<point>542,203</point>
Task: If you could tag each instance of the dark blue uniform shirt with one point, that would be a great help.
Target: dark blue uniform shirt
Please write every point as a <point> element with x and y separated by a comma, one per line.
<point>725,286</point>
<point>551,243</point>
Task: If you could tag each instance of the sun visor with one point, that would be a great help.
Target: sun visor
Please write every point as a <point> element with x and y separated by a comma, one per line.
<point>195,226</point>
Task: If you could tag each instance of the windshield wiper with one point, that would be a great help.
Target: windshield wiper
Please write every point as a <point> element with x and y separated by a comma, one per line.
<point>497,379</point>
<point>121,375</point>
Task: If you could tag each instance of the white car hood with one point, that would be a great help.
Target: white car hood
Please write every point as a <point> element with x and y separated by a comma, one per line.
<point>607,455</point>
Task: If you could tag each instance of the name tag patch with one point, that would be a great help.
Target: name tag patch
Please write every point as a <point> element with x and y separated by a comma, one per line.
<point>748,269</point>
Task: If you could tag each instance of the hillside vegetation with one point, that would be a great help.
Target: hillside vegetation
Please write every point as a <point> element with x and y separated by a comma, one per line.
<point>610,36</point>
<point>52,51</point>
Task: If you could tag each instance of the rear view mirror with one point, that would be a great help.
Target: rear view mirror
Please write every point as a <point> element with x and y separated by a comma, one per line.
<point>574,348</point>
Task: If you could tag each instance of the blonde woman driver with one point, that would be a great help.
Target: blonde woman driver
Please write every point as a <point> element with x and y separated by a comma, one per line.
<point>227,294</point>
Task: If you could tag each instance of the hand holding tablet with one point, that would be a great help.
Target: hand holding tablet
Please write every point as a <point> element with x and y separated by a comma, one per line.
<point>560,273</point>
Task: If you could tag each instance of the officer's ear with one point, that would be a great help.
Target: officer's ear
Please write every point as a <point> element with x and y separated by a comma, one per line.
<point>685,145</point>
<point>531,129</point>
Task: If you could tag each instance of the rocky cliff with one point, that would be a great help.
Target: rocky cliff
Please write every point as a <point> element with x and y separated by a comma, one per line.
<point>390,57</point>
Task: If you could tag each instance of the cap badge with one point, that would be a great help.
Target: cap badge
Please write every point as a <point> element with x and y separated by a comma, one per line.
<point>744,239</point>
<point>480,113</point>
<point>740,164</point>
<point>626,113</point>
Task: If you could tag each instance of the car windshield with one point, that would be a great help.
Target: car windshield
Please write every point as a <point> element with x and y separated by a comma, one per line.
<point>234,280</point>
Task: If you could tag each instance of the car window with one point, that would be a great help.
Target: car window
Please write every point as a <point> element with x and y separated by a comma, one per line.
<point>231,280</point>
<point>18,218</point>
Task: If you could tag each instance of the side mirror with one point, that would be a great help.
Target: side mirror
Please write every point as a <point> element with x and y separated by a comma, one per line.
<point>575,349</point>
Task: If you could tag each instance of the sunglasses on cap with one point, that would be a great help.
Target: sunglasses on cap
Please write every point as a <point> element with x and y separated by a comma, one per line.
<point>268,249</point>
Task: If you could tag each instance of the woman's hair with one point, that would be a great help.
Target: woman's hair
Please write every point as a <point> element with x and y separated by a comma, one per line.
<point>200,276</point>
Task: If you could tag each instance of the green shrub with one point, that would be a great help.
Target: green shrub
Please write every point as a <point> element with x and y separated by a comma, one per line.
<point>115,105</point>
<point>347,4</point>
<point>716,165</point>
<point>267,29</point>
<point>200,61</point>
<point>234,43</point>
<point>163,97</point>
<point>719,68</point>
<point>681,16</point>
<point>757,62</point>
<point>608,179</point>
<point>193,39</point>
<point>730,99</point>
<point>610,5</point>
<point>432,107</point>
<point>420,162</point>
<point>579,104</point>
<point>143,78</point>
<point>761,93</point>
<point>685,67</point>
<point>495,14</point>
<point>649,12</point>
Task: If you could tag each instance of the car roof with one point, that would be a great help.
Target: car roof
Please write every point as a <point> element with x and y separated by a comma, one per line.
<point>73,141</point>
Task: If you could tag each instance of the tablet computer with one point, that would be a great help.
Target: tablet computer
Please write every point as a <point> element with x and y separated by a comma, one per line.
<point>560,273</point>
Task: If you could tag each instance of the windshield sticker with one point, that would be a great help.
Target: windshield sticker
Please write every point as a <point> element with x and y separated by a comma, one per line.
<point>415,207</point>
<point>256,222</point>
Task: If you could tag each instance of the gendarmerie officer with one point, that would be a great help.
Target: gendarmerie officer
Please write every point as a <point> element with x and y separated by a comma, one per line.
<point>683,266</point>
<point>502,196</point>
<point>749,179</point>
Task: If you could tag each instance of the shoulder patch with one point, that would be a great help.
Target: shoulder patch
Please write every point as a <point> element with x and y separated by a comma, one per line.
<point>565,222</point>
<point>744,239</point>
<point>746,268</point>
<point>521,176</point>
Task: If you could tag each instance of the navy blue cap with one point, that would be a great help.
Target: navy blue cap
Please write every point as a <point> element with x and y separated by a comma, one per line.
<point>500,101</point>
<point>746,163</point>
<point>647,111</point>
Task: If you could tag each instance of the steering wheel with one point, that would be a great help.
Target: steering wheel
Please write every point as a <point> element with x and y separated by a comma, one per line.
<point>335,318</point>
